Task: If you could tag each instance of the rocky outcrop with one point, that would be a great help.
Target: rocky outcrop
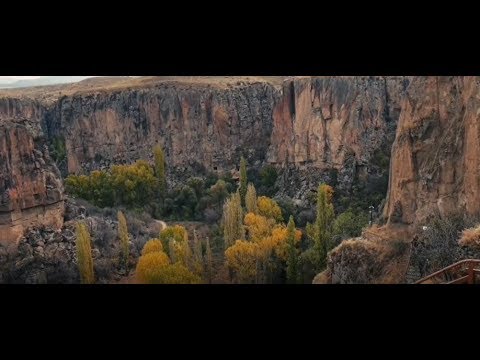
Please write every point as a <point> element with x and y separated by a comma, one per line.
<point>435,163</point>
<point>31,190</point>
<point>48,255</point>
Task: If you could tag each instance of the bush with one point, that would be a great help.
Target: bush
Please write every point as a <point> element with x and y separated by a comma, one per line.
<point>471,237</point>
<point>438,246</point>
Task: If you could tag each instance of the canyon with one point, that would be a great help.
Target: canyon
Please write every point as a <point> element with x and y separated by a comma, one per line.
<point>420,133</point>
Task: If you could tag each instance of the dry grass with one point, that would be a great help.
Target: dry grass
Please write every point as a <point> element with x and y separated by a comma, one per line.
<point>470,238</point>
<point>51,93</point>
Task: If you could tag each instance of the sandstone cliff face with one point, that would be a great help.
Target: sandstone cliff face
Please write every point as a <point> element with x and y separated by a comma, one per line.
<point>199,127</point>
<point>319,124</point>
<point>31,189</point>
<point>334,123</point>
<point>435,162</point>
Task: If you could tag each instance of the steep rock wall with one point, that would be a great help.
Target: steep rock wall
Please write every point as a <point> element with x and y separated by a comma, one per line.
<point>31,190</point>
<point>435,163</point>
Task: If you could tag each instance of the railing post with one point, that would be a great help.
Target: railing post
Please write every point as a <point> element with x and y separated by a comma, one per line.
<point>471,273</point>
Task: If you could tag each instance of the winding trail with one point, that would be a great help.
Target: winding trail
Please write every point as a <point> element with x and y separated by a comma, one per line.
<point>162,223</point>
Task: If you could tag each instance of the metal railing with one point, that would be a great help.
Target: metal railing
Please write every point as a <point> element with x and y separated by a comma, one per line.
<point>462,272</point>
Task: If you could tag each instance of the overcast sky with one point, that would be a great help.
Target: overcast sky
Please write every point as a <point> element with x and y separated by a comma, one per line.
<point>10,79</point>
<point>51,79</point>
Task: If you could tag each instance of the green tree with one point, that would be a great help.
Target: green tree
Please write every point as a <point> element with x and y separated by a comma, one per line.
<point>160,171</point>
<point>292,254</point>
<point>124,238</point>
<point>251,199</point>
<point>243,179</point>
<point>348,224</point>
<point>323,224</point>
<point>233,220</point>
<point>84,254</point>
<point>208,262</point>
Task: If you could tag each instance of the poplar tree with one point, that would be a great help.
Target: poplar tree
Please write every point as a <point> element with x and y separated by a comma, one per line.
<point>84,254</point>
<point>232,220</point>
<point>251,199</point>
<point>324,223</point>
<point>243,180</point>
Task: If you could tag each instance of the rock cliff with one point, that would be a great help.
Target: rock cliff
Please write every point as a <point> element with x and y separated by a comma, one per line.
<point>31,190</point>
<point>435,163</point>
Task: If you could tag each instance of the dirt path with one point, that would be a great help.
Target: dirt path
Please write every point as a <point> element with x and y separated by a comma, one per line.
<point>162,223</point>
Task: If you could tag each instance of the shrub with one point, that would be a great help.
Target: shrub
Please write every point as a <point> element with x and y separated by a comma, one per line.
<point>470,237</point>
<point>438,245</point>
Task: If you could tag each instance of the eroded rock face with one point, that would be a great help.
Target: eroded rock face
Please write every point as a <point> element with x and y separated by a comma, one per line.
<point>435,163</point>
<point>309,126</point>
<point>31,190</point>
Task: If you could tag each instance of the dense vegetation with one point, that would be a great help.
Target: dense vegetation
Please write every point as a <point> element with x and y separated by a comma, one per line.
<point>251,240</point>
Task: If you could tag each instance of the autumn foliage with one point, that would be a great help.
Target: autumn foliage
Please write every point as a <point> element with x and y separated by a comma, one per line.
<point>130,185</point>
<point>269,208</point>
<point>152,245</point>
<point>84,254</point>
<point>155,267</point>
<point>150,267</point>
<point>257,257</point>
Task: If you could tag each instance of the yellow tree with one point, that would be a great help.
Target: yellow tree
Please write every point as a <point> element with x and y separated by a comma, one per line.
<point>232,220</point>
<point>124,239</point>
<point>258,226</point>
<point>251,199</point>
<point>269,208</point>
<point>150,265</point>
<point>84,254</point>
<point>152,245</point>
<point>241,258</point>
<point>175,239</point>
